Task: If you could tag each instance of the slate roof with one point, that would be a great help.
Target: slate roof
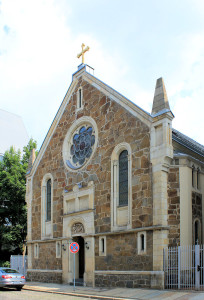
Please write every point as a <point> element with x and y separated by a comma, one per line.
<point>187,142</point>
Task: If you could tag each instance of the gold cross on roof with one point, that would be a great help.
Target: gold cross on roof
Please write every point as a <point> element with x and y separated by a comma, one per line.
<point>83,51</point>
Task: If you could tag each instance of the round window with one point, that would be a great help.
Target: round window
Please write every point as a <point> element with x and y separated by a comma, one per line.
<point>79,144</point>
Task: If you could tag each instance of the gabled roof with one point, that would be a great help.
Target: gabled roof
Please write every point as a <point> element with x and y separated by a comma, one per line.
<point>104,88</point>
<point>160,99</point>
<point>187,142</point>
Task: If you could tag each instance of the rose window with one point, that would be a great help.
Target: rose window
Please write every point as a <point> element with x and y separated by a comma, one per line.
<point>81,146</point>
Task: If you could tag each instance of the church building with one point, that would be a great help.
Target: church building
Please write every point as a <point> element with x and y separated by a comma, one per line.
<point>117,180</point>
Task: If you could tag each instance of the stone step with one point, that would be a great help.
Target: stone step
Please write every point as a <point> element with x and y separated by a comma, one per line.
<point>78,282</point>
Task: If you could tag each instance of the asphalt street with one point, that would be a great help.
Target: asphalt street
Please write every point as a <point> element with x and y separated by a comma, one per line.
<point>12,294</point>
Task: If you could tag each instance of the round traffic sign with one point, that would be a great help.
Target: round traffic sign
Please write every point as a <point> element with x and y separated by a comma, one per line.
<point>74,247</point>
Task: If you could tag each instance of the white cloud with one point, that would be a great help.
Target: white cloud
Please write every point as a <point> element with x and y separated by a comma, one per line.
<point>38,51</point>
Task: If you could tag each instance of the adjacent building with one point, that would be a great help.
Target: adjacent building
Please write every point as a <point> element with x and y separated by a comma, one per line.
<point>12,132</point>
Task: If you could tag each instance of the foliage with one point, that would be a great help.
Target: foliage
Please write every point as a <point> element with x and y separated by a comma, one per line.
<point>5,264</point>
<point>13,216</point>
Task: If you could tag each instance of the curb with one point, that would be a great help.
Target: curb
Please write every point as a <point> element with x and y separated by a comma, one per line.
<point>96,297</point>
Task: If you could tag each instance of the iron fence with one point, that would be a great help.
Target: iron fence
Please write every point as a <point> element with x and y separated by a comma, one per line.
<point>183,267</point>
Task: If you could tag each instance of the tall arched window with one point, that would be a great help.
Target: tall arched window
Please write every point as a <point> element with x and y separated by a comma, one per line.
<point>47,206</point>
<point>48,200</point>
<point>123,178</point>
<point>121,187</point>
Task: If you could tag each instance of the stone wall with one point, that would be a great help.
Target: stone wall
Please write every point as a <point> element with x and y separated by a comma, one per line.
<point>139,280</point>
<point>115,125</point>
<point>196,206</point>
<point>47,257</point>
<point>39,276</point>
<point>122,253</point>
<point>174,207</point>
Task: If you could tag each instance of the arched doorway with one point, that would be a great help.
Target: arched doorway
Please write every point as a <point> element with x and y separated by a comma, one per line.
<point>80,259</point>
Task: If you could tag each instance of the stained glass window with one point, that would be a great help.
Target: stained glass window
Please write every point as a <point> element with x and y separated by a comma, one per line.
<point>123,178</point>
<point>82,143</point>
<point>48,201</point>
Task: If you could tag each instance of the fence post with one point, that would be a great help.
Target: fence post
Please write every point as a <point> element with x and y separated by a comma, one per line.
<point>164,267</point>
<point>179,267</point>
<point>197,263</point>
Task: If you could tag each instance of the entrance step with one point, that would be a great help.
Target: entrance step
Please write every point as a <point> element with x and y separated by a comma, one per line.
<point>78,282</point>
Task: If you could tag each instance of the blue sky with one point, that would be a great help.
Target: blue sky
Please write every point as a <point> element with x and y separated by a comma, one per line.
<point>132,43</point>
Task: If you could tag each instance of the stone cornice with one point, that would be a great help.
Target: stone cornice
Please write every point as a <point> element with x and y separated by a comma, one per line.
<point>188,158</point>
<point>128,272</point>
<point>44,271</point>
<point>135,230</point>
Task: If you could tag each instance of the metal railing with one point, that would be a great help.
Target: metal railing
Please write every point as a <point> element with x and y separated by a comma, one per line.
<point>183,267</point>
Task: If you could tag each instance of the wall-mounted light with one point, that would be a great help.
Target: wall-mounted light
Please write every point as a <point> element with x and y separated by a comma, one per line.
<point>64,247</point>
<point>87,245</point>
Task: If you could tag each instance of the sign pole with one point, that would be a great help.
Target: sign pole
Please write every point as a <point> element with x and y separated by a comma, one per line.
<point>74,271</point>
<point>74,248</point>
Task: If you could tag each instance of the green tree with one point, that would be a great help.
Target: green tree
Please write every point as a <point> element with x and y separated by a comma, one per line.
<point>13,214</point>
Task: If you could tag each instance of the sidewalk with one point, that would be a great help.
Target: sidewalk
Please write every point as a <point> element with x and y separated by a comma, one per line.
<point>113,293</point>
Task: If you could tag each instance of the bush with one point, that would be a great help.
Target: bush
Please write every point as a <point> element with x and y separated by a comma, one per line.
<point>5,264</point>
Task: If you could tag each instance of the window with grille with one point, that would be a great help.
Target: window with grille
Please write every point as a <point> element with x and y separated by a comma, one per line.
<point>123,178</point>
<point>48,201</point>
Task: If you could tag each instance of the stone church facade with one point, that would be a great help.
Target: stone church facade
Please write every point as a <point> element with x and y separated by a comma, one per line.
<point>117,180</point>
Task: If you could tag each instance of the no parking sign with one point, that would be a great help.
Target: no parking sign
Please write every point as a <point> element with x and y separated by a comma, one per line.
<point>74,247</point>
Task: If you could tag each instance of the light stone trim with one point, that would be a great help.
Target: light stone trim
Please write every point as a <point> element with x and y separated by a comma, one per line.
<point>36,250</point>
<point>53,240</point>
<point>161,155</point>
<point>121,217</point>
<point>115,272</point>
<point>86,218</point>
<point>149,228</point>
<point>46,226</point>
<point>79,212</point>
<point>102,239</point>
<point>68,141</point>
<point>44,271</point>
<point>28,199</point>
<point>81,199</point>
<point>58,249</point>
<point>82,106</point>
<point>139,245</point>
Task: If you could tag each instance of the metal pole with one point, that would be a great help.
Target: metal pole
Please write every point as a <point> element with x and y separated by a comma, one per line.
<point>74,271</point>
<point>179,267</point>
